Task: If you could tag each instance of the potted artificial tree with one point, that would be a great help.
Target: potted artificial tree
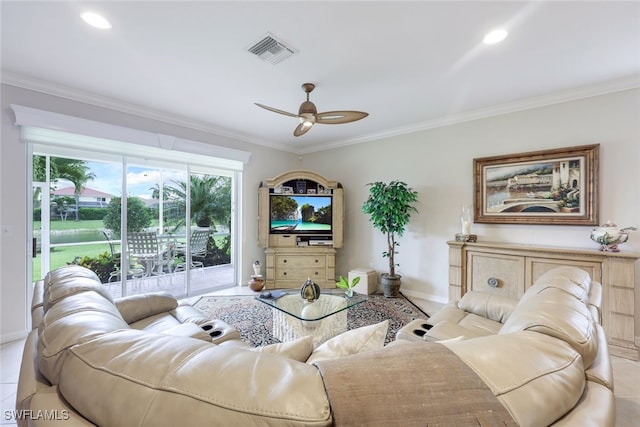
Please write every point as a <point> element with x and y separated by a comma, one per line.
<point>389,207</point>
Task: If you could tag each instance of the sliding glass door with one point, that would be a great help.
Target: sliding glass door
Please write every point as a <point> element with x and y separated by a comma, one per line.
<point>172,230</point>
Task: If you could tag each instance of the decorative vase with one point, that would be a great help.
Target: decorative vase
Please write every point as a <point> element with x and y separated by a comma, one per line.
<point>349,292</point>
<point>390,285</point>
<point>256,283</point>
<point>308,312</point>
<point>610,236</point>
<point>310,290</point>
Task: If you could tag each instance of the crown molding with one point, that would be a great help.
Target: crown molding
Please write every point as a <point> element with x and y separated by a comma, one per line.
<point>618,85</point>
<point>560,97</point>
<point>74,94</point>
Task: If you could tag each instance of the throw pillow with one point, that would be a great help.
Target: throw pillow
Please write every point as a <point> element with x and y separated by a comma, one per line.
<point>298,349</point>
<point>360,340</point>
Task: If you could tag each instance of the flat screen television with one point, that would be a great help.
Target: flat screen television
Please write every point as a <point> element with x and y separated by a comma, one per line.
<point>300,214</point>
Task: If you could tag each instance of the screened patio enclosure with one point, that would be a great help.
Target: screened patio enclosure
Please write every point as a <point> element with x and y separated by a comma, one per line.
<point>80,217</point>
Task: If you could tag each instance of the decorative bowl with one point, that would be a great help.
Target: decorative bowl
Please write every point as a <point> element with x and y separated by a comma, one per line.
<point>609,236</point>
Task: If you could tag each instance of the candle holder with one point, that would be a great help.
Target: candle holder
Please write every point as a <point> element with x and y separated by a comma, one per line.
<point>465,226</point>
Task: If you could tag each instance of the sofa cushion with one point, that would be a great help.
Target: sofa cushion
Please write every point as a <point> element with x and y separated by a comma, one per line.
<point>73,320</point>
<point>71,280</point>
<point>136,307</point>
<point>160,380</point>
<point>360,340</point>
<point>556,313</point>
<point>572,280</point>
<point>69,272</point>
<point>536,377</point>
<point>299,349</point>
<point>596,408</point>
<point>156,323</point>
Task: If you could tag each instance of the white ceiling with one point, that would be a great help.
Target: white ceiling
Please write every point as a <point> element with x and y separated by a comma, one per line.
<point>411,65</point>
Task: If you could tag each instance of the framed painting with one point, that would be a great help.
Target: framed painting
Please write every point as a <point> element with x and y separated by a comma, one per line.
<point>558,186</point>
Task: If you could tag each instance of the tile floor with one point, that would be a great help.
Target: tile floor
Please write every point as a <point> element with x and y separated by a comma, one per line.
<point>626,374</point>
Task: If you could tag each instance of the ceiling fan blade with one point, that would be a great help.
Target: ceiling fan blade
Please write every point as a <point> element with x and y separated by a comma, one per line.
<point>301,129</point>
<point>275,110</point>
<point>337,117</point>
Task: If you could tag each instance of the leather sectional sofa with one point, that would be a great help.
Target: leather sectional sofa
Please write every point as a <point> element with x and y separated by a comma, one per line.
<point>148,361</point>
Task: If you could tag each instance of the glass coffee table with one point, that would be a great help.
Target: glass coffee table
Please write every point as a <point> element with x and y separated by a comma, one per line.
<point>294,317</point>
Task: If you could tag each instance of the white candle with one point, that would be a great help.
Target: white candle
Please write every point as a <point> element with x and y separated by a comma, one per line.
<point>466,227</point>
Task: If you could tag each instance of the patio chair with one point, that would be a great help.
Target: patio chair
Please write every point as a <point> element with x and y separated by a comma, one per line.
<point>116,274</point>
<point>197,248</point>
<point>144,247</point>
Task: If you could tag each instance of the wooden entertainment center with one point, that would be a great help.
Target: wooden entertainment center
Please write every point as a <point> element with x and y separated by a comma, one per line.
<point>292,257</point>
<point>509,270</point>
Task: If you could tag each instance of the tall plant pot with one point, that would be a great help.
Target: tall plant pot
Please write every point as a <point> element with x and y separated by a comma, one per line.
<point>390,285</point>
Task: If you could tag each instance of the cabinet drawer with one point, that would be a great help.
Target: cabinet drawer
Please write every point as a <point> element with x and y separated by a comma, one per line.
<point>539,266</point>
<point>300,261</point>
<point>301,274</point>
<point>495,273</point>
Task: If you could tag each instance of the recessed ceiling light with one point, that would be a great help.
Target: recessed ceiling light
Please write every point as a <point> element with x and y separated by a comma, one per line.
<point>95,20</point>
<point>495,36</point>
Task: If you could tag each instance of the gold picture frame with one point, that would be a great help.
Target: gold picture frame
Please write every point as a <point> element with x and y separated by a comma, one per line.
<point>558,186</point>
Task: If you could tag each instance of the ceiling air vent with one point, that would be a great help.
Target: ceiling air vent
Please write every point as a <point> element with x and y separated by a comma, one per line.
<point>271,50</point>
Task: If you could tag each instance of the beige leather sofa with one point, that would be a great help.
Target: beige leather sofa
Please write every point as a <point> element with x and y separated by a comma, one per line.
<point>564,304</point>
<point>145,361</point>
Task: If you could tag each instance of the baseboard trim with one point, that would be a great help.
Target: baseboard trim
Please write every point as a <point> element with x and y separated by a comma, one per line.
<point>14,336</point>
<point>422,295</point>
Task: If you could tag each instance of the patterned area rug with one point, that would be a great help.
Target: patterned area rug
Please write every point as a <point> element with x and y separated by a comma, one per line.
<point>254,320</point>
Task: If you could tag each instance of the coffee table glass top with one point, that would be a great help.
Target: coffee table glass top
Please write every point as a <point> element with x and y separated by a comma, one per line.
<point>331,301</point>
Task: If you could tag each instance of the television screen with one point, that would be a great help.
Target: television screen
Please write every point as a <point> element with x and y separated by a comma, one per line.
<point>300,214</point>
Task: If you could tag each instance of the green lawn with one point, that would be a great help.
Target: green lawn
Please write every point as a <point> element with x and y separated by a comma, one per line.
<point>64,255</point>
<point>93,224</point>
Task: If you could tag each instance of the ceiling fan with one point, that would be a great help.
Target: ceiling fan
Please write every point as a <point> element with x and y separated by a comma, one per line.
<point>308,114</point>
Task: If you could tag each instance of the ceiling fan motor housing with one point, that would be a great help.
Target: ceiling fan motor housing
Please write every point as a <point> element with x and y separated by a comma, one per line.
<point>307,107</point>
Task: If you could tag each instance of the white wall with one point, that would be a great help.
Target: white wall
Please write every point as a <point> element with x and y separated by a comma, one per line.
<point>14,290</point>
<point>438,163</point>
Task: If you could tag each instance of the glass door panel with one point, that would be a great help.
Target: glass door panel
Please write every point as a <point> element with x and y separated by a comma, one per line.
<point>210,266</point>
<point>40,238</point>
<point>155,227</point>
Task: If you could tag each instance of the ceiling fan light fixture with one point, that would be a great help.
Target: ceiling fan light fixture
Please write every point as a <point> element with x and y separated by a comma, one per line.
<point>307,119</point>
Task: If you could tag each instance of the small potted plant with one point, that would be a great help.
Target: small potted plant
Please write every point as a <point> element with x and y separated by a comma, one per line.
<point>344,284</point>
<point>389,207</point>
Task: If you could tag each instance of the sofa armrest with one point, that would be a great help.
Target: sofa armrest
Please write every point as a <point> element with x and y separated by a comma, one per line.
<point>595,301</point>
<point>186,313</point>
<point>449,330</point>
<point>600,370</point>
<point>136,307</point>
<point>190,330</point>
<point>491,306</point>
